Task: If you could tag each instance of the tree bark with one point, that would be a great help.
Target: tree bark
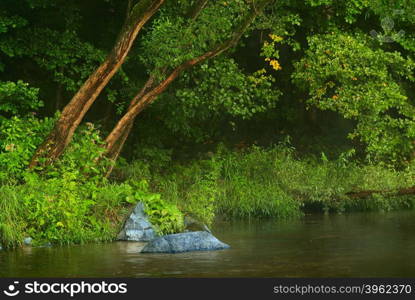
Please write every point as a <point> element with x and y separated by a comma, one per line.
<point>143,100</point>
<point>62,133</point>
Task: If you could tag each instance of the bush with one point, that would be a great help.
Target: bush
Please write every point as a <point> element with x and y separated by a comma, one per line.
<point>59,211</point>
<point>164,216</point>
<point>19,138</point>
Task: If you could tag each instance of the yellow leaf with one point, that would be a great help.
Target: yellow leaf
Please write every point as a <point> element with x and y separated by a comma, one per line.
<point>276,38</point>
<point>275,64</point>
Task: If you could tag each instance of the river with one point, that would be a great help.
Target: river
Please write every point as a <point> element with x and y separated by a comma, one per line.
<point>354,245</point>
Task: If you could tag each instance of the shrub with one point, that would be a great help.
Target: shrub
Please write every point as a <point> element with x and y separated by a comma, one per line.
<point>19,138</point>
<point>164,216</point>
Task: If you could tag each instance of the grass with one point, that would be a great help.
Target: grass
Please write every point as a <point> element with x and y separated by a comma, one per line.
<point>11,223</point>
<point>272,183</point>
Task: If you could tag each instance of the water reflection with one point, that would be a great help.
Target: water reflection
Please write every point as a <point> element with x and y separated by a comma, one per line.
<point>358,245</point>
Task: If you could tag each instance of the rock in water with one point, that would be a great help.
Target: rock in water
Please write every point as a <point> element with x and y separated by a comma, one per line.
<point>191,224</point>
<point>137,228</point>
<point>27,241</point>
<point>184,242</point>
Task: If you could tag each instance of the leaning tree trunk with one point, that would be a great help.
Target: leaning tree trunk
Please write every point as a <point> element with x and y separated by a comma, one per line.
<point>62,133</point>
<point>113,153</point>
<point>116,139</point>
<point>115,150</point>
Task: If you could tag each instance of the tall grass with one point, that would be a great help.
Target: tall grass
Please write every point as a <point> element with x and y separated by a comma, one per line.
<point>11,221</point>
<point>273,182</point>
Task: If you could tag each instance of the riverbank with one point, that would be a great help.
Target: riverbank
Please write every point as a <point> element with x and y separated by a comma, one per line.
<point>273,182</point>
<point>254,183</point>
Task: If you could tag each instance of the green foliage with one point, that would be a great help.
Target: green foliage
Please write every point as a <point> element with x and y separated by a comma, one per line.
<point>11,22</point>
<point>63,54</point>
<point>17,98</point>
<point>69,201</point>
<point>61,211</point>
<point>82,158</point>
<point>349,75</point>
<point>19,138</point>
<point>44,38</point>
<point>68,59</point>
<point>344,9</point>
<point>324,184</point>
<point>192,188</point>
<point>174,39</point>
<point>166,217</point>
<point>56,211</point>
<point>236,95</point>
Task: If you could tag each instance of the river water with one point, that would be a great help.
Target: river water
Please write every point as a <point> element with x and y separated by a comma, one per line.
<point>355,245</point>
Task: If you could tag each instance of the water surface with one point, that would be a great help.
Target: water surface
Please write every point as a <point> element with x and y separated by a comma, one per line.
<point>356,245</point>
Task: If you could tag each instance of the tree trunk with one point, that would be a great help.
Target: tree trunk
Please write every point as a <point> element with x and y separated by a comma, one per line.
<point>115,150</point>
<point>60,136</point>
<point>143,100</point>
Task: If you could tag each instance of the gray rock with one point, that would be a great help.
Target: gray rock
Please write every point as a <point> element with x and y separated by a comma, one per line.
<point>184,242</point>
<point>1,248</point>
<point>27,241</point>
<point>191,224</point>
<point>137,227</point>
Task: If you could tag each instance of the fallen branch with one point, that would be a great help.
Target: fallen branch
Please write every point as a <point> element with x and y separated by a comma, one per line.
<point>365,194</point>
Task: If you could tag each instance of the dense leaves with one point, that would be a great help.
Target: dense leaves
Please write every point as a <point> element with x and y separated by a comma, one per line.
<point>237,94</point>
<point>350,75</point>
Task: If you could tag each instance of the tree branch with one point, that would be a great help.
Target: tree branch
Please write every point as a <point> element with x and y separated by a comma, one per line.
<point>369,193</point>
<point>140,104</point>
<point>197,9</point>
